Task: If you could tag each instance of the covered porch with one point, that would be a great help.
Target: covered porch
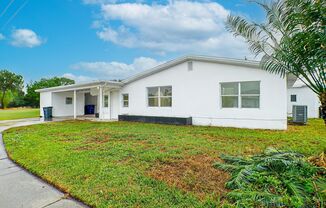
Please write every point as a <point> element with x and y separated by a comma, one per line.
<point>91,101</point>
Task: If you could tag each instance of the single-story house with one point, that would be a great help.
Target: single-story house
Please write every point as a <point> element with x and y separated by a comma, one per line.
<point>300,94</point>
<point>196,90</point>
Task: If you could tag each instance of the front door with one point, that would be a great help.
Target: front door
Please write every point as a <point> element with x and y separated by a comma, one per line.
<point>106,105</point>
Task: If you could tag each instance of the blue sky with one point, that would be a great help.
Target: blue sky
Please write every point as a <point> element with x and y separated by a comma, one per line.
<point>111,39</point>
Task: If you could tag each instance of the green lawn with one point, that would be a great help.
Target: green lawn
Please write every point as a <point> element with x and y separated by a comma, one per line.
<point>19,113</point>
<point>122,164</point>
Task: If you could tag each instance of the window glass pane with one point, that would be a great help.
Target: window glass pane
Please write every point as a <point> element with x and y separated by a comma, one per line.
<point>152,102</point>
<point>166,101</point>
<point>106,101</point>
<point>153,91</point>
<point>125,96</point>
<point>293,98</point>
<point>68,100</point>
<point>125,100</point>
<point>230,101</point>
<point>250,101</point>
<point>166,91</point>
<point>250,88</point>
<point>230,88</point>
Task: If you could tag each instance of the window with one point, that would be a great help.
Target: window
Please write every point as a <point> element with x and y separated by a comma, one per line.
<point>230,95</point>
<point>153,96</point>
<point>244,94</point>
<point>250,92</point>
<point>125,100</point>
<point>68,100</point>
<point>160,96</point>
<point>293,98</point>
<point>106,101</point>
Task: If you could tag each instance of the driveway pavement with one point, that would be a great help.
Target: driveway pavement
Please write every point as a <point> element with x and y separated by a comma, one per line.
<point>20,189</point>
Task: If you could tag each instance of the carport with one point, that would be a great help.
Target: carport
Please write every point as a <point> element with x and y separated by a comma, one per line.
<point>72,100</point>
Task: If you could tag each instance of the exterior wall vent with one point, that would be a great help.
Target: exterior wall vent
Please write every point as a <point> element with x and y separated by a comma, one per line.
<point>299,114</point>
<point>190,66</point>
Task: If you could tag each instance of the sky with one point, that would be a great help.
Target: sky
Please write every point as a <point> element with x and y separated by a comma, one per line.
<point>88,40</point>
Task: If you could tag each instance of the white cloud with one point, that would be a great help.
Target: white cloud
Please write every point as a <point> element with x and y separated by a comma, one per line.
<point>116,70</point>
<point>181,26</point>
<point>25,38</point>
<point>2,37</point>
<point>107,1</point>
<point>98,1</point>
<point>78,78</point>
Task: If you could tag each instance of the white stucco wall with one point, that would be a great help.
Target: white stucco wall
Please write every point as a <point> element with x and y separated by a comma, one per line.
<point>305,96</point>
<point>196,94</point>
<point>114,104</point>
<point>60,108</point>
<point>45,101</point>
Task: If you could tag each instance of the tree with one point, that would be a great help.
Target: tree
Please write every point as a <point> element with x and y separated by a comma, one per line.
<point>32,98</point>
<point>8,98</point>
<point>9,81</point>
<point>291,41</point>
<point>18,99</point>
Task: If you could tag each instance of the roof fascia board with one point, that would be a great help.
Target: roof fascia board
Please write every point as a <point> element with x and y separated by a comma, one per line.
<point>80,86</point>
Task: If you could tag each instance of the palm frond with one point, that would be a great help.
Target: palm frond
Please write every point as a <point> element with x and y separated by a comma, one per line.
<point>240,27</point>
<point>274,178</point>
<point>271,64</point>
<point>257,198</point>
<point>241,178</point>
<point>226,167</point>
<point>235,160</point>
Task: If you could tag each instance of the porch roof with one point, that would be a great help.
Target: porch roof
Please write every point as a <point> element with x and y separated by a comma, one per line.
<point>81,86</point>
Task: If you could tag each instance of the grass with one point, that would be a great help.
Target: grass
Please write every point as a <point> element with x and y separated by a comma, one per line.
<point>122,164</point>
<point>19,113</point>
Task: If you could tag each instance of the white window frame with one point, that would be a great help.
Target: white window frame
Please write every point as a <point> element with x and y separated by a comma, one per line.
<point>159,97</point>
<point>239,95</point>
<point>125,100</point>
<point>235,95</point>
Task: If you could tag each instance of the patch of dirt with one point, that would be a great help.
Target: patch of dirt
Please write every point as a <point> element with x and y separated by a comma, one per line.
<point>97,140</point>
<point>194,174</point>
<point>85,148</point>
<point>98,136</point>
<point>319,160</point>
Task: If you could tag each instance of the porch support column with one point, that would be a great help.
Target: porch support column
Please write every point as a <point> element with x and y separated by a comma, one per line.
<point>100,102</point>
<point>75,104</point>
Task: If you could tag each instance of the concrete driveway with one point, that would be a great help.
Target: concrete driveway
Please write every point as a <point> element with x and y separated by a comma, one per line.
<point>20,189</point>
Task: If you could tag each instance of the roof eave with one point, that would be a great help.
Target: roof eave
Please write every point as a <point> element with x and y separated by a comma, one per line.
<point>80,86</point>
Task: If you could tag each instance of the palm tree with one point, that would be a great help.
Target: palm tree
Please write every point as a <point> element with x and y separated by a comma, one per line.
<point>292,40</point>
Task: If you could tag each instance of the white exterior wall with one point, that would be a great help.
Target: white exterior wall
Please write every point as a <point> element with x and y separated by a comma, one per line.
<point>45,101</point>
<point>196,94</point>
<point>114,104</point>
<point>60,108</point>
<point>305,96</point>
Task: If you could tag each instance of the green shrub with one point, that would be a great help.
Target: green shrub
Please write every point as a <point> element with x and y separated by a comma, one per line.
<point>274,178</point>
